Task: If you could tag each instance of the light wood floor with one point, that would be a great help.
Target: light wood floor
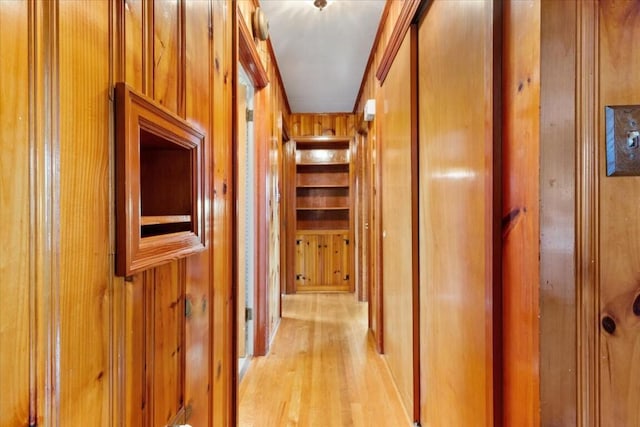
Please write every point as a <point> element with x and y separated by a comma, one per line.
<point>322,371</point>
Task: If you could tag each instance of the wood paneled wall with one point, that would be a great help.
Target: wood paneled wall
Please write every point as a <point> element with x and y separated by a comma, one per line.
<point>87,347</point>
<point>19,368</point>
<point>558,364</point>
<point>86,267</point>
<point>271,112</point>
<point>617,287</point>
<point>223,365</point>
<point>322,124</point>
<point>584,54</point>
<point>397,216</point>
<point>520,190</point>
<point>457,212</point>
<point>370,89</point>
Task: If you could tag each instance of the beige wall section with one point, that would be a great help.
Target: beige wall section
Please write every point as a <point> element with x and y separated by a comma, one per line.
<point>456,138</point>
<point>619,352</point>
<point>15,211</point>
<point>396,194</point>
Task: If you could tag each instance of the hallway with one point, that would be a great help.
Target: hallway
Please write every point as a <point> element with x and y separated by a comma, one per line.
<point>322,370</point>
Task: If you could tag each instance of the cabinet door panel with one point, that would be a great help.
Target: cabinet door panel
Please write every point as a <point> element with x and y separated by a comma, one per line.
<point>311,261</point>
<point>322,263</point>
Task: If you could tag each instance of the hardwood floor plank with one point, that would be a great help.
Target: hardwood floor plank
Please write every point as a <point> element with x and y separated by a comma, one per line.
<point>322,370</point>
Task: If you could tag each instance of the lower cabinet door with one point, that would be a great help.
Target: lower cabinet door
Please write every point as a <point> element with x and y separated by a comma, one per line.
<point>322,262</point>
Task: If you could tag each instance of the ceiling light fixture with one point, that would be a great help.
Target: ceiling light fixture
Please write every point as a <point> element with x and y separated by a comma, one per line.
<point>320,4</point>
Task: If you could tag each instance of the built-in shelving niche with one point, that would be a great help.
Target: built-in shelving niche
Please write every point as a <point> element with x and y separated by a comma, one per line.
<point>159,184</point>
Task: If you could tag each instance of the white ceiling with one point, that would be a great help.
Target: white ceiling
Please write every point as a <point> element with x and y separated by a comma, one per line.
<point>322,54</point>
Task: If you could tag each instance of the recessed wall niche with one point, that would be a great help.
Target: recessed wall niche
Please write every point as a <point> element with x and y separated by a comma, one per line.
<point>159,184</point>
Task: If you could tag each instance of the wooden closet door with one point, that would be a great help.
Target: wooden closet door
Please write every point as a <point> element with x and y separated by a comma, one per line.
<point>456,213</point>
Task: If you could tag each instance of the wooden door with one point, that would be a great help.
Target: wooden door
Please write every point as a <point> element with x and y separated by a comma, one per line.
<point>326,260</point>
<point>341,259</point>
<point>397,219</point>
<point>457,213</point>
<point>306,261</point>
<point>322,262</point>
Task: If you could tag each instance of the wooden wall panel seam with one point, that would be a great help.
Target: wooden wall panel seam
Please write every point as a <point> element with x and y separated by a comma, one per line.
<point>415,223</point>
<point>494,267</point>
<point>116,306</point>
<point>147,48</point>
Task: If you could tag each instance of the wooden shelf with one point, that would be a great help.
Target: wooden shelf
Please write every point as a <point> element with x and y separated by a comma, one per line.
<point>323,232</point>
<point>322,212</point>
<point>159,184</point>
<point>164,219</point>
<point>323,164</point>
<point>323,186</point>
<point>325,208</point>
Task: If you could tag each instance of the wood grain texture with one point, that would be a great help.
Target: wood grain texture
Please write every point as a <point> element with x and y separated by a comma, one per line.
<point>587,212</point>
<point>558,363</point>
<point>619,351</point>
<point>274,189</point>
<point>456,169</point>
<point>199,278</point>
<point>15,192</point>
<point>85,269</point>
<point>223,363</point>
<point>323,261</point>
<point>397,216</point>
<point>164,336</point>
<point>322,370</point>
<point>168,73</point>
<point>289,194</point>
<point>375,238</point>
<point>330,124</point>
<point>521,213</point>
<point>134,50</point>
<point>133,371</point>
<point>87,327</point>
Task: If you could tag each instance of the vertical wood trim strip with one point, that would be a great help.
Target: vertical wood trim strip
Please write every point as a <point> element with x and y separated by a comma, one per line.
<point>34,365</point>
<point>182,62</point>
<point>116,308</point>
<point>377,235</point>
<point>494,266</point>
<point>182,371</point>
<point>415,222</point>
<point>35,372</point>
<point>44,213</point>
<point>587,234</point>
<point>147,47</point>
<point>51,195</point>
<point>149,282</point>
